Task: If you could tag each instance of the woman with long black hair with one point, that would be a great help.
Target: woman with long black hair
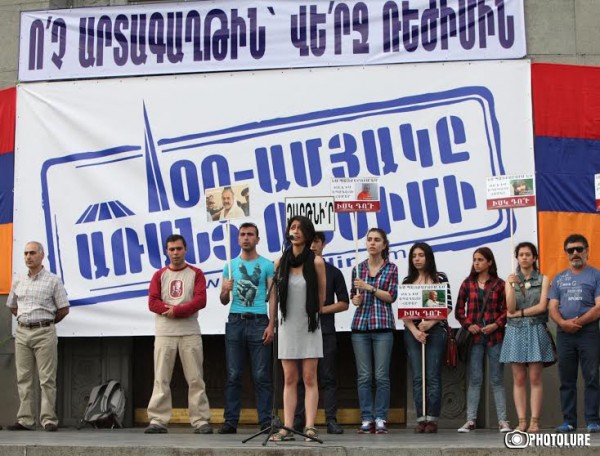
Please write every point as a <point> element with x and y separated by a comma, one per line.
<point>431,334</point>
<point>300,282</point>
<point>481,309</point>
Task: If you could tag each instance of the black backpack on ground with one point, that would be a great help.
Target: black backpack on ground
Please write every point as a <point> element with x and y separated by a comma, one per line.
<point>106,406</point>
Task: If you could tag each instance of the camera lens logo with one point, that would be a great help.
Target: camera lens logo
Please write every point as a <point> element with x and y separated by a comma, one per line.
<point>516,439</point>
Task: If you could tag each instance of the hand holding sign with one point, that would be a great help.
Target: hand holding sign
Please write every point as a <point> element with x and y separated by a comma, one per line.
<point>362,285</point>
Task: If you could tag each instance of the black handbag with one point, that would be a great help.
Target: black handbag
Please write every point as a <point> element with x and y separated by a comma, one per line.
<point>464,341</point>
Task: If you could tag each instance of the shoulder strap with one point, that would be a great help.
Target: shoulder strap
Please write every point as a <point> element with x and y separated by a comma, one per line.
<point>111,386</point>
<point>94,409</point>
<point>94,394</point>
<point>486,297</point>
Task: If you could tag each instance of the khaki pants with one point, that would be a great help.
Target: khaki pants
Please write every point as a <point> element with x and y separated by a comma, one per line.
<point>191,355</point>
<point>36,347</point>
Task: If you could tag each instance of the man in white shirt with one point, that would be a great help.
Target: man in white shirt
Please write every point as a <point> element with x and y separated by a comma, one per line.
<point>38,299</point>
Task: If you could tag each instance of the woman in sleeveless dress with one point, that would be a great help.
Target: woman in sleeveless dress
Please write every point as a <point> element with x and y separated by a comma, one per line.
<point>527,344</point>
<point>300,282</point>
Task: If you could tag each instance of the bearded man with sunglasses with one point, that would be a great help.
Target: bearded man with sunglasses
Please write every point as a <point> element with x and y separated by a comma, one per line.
<point>575,307</point>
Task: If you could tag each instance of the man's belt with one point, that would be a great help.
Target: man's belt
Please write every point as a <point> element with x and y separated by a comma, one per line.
<point>37,324</point>
<point>248,315</point>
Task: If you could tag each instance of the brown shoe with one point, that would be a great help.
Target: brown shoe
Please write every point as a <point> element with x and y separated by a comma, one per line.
<point>431,428</point>
<point>50,427</point>
<point>420,427</point>
<point>18,427</point>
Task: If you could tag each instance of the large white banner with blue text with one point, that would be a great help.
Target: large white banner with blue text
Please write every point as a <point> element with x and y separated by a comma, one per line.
<point>106,170</point>
<point>227,35</point>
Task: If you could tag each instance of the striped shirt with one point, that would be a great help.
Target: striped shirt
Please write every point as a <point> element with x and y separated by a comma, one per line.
<point>37,297</point>
<point>374,314</point>
<point>441,278</point>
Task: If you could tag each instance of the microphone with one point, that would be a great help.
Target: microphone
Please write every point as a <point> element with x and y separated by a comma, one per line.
<point>290,237</point>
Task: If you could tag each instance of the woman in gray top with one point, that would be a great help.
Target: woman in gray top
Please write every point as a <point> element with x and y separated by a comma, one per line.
<point>300,280</point>
<point>527,343</point>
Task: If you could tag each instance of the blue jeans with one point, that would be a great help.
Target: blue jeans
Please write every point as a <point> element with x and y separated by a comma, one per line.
<point>435,348</point>
<point>583,348</point>
<point>369,348</point>
<point>476,379</point>
<point>242,335</point>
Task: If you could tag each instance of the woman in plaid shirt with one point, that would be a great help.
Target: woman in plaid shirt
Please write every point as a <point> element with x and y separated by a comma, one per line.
<point>484,290</point>
<point>375,288</point>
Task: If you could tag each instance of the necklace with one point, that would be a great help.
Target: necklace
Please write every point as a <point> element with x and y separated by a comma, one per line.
<point>480,282</point>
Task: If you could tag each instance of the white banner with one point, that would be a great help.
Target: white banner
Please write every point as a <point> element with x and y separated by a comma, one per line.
<point>106,170</point>
<point>229,35</point>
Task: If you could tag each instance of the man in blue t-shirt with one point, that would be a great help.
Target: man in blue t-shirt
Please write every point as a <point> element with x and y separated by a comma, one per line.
<point>575,307</point>
<point>250,327</point>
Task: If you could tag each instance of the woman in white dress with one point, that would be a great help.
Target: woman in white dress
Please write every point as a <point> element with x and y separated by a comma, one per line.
<point>300,280</point>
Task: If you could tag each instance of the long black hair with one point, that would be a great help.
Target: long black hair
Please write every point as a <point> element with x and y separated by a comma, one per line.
<point>306,259</point>
<point>486,253</point>
<point>306,226</point>
<point>430,267</point>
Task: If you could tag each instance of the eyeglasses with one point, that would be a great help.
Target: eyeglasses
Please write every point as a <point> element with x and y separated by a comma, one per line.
<point>572,250</point>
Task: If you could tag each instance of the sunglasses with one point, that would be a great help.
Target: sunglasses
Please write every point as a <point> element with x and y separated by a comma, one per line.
<point>572,250</point>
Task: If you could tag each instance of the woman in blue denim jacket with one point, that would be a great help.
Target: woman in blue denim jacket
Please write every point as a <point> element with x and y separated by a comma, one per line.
<point>527,344</point>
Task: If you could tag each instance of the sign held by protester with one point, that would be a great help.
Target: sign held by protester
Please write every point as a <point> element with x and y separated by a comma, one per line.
<point>359,194</point>
<point>319,209</point>
<point>423,302</point>
<point>505,192</point>
<point>597,186</point>
<point>227,203</point>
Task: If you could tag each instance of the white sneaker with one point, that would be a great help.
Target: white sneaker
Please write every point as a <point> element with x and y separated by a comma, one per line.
<point>380,426</point>
<point>504,426</point>
<point>467,427</point>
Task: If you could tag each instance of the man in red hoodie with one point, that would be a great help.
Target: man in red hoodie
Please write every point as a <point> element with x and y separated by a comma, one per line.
<point>177,292</point>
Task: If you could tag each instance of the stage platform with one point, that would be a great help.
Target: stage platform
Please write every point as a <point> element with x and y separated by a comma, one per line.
<point>181,442</point>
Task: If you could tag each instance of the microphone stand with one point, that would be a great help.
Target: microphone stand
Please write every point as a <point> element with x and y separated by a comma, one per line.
<point>276,424</point>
